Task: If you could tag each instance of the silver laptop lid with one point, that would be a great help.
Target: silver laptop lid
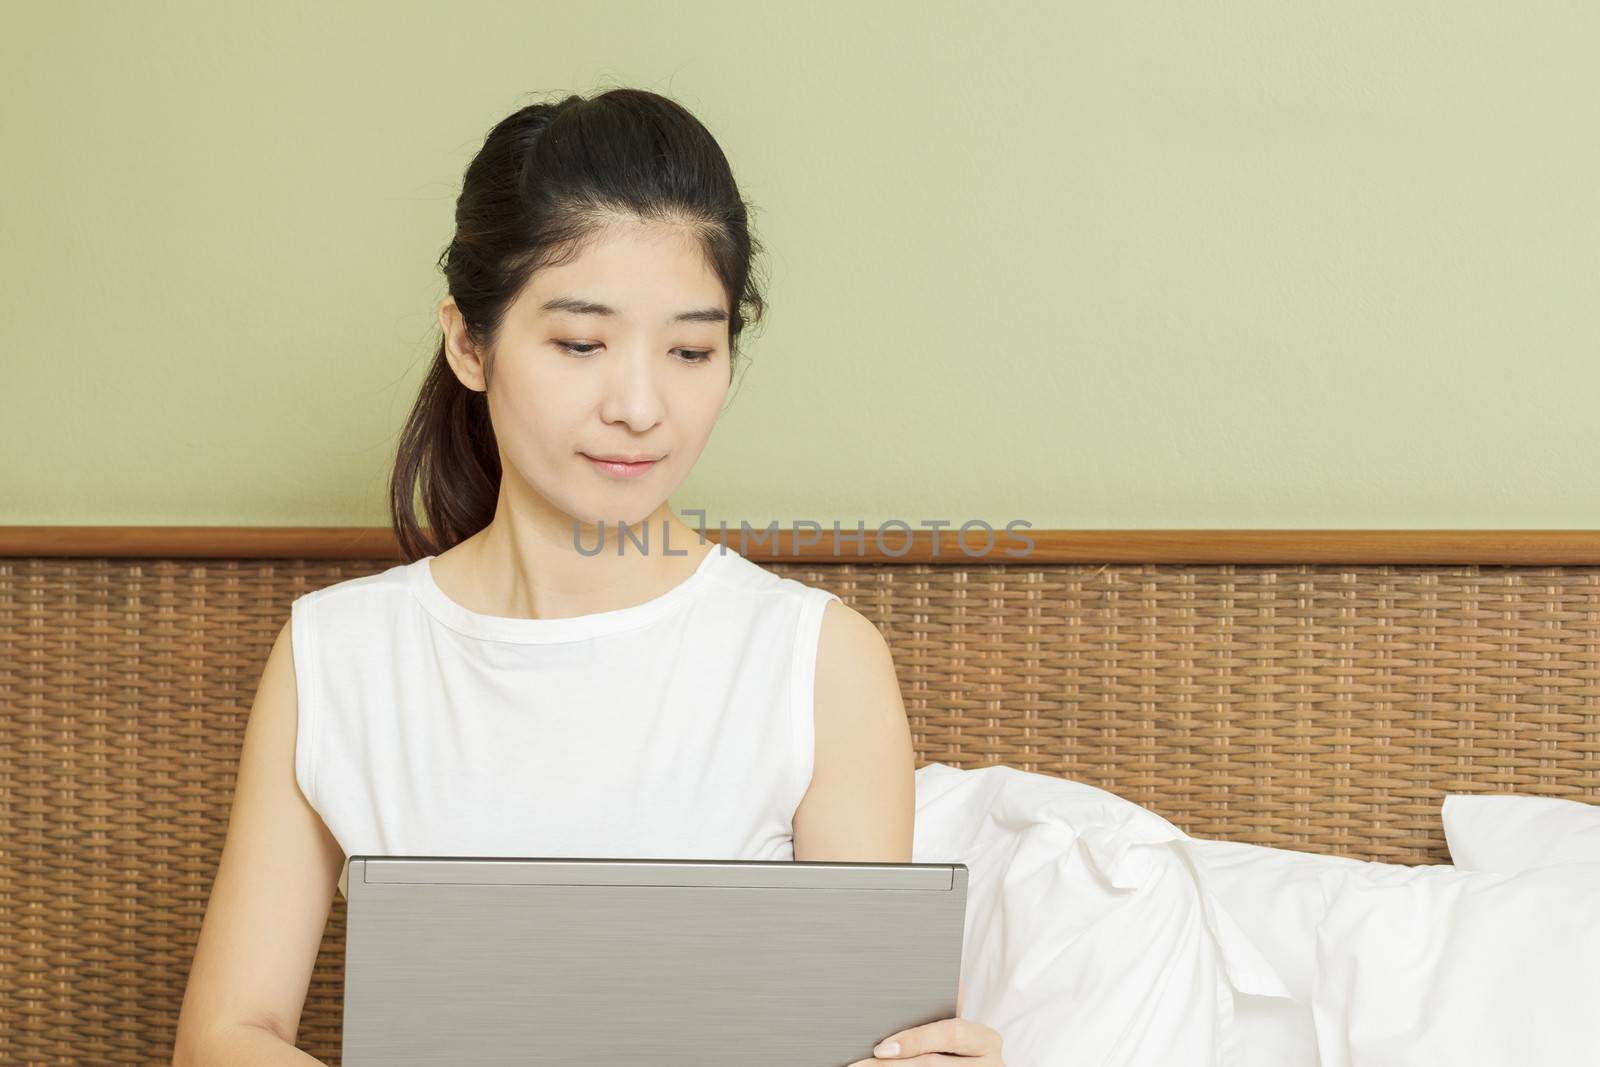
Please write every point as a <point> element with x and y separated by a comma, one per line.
<point>699,963</point>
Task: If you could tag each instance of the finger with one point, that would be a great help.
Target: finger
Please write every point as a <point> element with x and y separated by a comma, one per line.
<point>960,1036</point>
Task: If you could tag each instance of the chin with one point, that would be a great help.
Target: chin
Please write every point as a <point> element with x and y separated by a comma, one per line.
<point>614,519</point>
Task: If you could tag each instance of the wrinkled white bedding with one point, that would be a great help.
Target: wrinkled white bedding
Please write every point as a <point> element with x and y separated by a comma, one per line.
<point>1098,933</point>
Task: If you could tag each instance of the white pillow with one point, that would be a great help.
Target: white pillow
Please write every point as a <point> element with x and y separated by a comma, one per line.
<point>1517,833</point>
<point>1461,968</point>
<point>1088,938</point>
<point>1278,896</point>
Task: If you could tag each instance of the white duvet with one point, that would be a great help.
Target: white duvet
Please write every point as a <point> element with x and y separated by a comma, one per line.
<point>1097,933</point>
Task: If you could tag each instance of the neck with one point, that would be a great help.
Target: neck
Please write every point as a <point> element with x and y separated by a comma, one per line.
<point>521,569</point>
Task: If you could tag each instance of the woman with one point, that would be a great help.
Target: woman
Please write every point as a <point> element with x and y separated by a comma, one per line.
<point>563,667</point>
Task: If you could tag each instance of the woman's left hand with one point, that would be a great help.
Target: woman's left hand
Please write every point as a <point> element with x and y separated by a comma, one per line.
<point>945,1041</point>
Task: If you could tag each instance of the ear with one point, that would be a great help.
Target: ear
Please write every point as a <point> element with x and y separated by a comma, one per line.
<point>459,350</point>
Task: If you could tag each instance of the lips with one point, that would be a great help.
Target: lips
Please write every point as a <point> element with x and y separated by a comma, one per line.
<point>620,469</point>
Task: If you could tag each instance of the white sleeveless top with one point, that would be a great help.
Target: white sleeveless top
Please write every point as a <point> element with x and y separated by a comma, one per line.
<point>679,728</point>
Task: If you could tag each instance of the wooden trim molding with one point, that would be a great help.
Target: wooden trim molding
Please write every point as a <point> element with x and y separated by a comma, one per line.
<point>893,543</point>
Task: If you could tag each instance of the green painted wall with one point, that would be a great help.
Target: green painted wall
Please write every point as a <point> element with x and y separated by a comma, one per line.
<point>1087,265</point>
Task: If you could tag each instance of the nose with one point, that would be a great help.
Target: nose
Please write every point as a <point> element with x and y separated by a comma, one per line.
<point>632,394</point>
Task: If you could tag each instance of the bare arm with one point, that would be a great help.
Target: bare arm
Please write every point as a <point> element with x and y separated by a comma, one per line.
<point>247,1046</point>
<point>862,800</point>
<point>269,902</point>
<point>862,803</point>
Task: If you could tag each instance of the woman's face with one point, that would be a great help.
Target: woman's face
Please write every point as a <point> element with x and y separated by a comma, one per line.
<point>623,351</point>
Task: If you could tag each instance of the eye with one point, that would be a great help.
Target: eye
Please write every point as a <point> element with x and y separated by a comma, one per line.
<point>689,355</point>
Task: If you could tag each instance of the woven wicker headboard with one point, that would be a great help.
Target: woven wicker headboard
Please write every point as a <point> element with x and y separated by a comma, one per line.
<point>1317,707</point>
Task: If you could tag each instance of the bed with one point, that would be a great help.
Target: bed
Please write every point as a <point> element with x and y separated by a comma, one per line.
<point>1264,689</point>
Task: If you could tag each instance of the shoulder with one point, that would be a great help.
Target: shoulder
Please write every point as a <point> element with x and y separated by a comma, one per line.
<point>850,648</point>
<point>849,642</point>
<point>856,683</point>
<point>744,581</point>
<point>740,573</point>
<point>395,577</point>
<point>353,601</point>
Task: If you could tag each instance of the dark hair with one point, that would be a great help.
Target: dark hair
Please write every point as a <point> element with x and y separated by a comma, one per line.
<point>547,179</point>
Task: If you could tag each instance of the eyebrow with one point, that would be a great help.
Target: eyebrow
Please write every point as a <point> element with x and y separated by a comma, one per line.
<point>574,306</point>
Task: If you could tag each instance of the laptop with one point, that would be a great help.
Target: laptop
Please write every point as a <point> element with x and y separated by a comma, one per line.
<point>672,963</point>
